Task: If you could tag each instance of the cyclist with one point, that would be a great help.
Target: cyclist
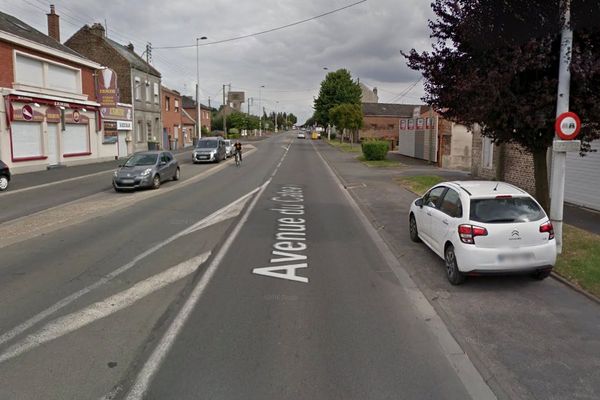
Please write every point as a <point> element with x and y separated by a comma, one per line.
<point>238,150</point>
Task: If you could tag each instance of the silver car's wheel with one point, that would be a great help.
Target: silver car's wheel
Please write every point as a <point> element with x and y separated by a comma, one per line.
<point>3,183</point>
<point>156,182</point>
<point>177,175</point>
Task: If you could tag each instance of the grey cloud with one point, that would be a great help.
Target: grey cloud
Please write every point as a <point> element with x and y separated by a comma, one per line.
<point>365,39</point>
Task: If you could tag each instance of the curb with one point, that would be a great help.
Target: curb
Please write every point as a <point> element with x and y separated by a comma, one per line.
<point>574,287</point>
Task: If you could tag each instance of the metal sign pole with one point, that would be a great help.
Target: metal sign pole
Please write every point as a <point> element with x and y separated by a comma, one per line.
<point>557,181</point>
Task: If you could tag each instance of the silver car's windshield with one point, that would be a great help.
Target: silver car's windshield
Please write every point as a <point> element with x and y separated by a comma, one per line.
<point>141,159</point>
<point>207,144</point>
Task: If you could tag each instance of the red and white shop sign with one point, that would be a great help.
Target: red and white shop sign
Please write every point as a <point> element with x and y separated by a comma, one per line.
<point>26,113</point>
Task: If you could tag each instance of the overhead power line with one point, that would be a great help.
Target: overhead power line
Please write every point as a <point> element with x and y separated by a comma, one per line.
<point>265,31</point>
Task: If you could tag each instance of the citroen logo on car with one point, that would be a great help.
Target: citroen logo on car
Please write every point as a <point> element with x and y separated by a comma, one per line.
<point>515,233</point>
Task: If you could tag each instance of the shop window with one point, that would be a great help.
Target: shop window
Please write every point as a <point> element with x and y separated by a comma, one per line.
<point>75,139</point>
<point>26,139</point>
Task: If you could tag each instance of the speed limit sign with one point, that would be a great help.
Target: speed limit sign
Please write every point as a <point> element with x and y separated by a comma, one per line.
<point>567,126</point>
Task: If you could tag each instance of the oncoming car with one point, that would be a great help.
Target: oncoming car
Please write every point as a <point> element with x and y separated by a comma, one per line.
<point>301,135</point>
<point>210,149</point>
<point>484,227</point>
<point>146,169</point>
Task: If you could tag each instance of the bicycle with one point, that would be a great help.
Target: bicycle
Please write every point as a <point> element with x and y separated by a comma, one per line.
<point>238,160</point>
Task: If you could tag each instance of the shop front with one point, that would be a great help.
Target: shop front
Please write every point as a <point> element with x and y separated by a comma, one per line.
<point>118,124</point>
<point>42,132</point>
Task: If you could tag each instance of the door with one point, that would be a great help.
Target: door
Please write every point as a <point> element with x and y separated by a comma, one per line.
<point>444,220</point>
<point>121,145</point>
<point>582,184</point>
<point>52,152</point>
<point>431,202</point>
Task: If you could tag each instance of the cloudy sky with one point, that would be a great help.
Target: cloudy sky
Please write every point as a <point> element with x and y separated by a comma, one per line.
<point>366,39</point>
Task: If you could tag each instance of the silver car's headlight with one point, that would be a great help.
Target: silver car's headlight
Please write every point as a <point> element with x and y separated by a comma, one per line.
<point>146,172</point>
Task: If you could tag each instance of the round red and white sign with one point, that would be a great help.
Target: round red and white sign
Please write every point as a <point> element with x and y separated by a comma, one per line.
<point>27,112</point>
<point>567,126</point>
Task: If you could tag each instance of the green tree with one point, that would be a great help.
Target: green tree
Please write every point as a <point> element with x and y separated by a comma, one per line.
<point>495,63</point>
<point>337,88</point>
<point>347,117</point>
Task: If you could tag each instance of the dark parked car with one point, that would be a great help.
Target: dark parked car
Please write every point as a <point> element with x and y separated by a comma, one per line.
<point>210,149</point>
<point>146,169</point>
<point>4,176</point>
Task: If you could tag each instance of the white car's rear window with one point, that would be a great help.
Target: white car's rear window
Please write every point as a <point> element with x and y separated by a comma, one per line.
<point>505,210</point>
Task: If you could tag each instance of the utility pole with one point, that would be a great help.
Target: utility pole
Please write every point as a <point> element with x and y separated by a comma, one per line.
<point>224,113</point>
<point>260,110</point>
<point>148,52</point>
<point>198,106</point>
<point>559,159</point>
<point>276,106</point>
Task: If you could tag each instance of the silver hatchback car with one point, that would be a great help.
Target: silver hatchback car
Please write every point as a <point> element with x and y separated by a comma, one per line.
<point>146,169</point>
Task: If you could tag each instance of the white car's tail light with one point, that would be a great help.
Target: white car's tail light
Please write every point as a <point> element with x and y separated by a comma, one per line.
<point>547,227</point>
<point>468,233</point>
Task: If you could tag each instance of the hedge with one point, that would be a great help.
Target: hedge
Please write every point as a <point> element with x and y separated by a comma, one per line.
<point>375,150</point>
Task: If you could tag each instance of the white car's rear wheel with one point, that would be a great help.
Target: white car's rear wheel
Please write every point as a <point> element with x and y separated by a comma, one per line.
<point>414,231</point>
<point>454,275</point>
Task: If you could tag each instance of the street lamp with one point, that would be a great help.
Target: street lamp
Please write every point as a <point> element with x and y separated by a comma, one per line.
<point>276,107</point>
<point>198,110</point>
<point>260,111</point>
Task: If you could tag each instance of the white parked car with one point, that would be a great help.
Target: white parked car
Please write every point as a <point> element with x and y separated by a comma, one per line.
<point>484,227</point>
<point>301,135</point>
<point>228,148</point>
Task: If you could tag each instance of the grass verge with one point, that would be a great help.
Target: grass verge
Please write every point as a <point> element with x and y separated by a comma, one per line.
<point>346,147</point>
<point>580,260</point>
<point>419,184</point>
<point>381,163</point>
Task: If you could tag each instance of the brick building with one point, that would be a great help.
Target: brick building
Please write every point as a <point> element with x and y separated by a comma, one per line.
<point>48,110</point>
<point>190,106</point>
<point>381,120</point>
<point>172,112</point>
<point>138,83</point>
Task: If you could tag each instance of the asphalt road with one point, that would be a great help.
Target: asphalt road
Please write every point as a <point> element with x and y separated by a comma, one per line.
<point>86,309</point>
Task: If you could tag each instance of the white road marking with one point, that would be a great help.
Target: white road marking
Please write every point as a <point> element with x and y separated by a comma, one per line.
<point>71,298</point>
<point>288,272</point>
<point>102,309</point>
<point>142,382</point>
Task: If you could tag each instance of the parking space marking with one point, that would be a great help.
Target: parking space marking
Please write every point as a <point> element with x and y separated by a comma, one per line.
<point>102,309</point>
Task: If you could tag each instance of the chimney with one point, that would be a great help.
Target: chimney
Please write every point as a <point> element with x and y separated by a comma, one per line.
<point>130,47</point>
<point>375,91</point>
<point>53,24</point>
<point>98,30</point>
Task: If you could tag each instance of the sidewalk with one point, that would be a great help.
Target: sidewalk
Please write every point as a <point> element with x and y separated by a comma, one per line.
<point>21,181</point>
<point>528,339</point>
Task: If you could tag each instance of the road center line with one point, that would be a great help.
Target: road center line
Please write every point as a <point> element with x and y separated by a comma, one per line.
<point>101,309</point>
<point>144,378</point>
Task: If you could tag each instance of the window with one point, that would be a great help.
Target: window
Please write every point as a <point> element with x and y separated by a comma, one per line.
<point>29,71</point>
<point>75,139</point>
<point>26,139</point>
<point>176,105</point>
<point>164,158</point>
<point>391,126</point>
<point>432,199</point>
<point>156,93</point>
<point>138,88</point>
<point>167,103</point>
<point>488,153</point>
<point>505,210</point>
<point>451,204</point>
<point>149,131</point>
<point>62,78</point>
<point>139,133</point>
<point>46,74</point>
<point>148,95</point>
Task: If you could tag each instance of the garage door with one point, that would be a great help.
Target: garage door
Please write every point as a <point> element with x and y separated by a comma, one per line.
<point>406,143</point>
<point>582,186</point>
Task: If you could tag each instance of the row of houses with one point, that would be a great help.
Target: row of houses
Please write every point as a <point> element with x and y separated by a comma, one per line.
<point>89,99</point>
<point>418,131</point>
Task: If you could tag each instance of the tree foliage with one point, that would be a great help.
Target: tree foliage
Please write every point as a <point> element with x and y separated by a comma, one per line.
<point>347,117</point>
<point>495,63</point>
<point>337,88</point>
